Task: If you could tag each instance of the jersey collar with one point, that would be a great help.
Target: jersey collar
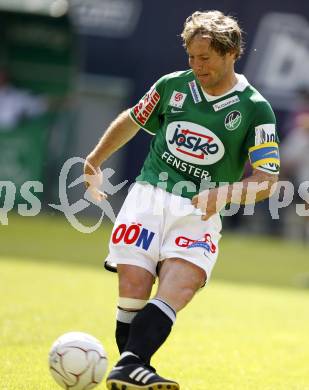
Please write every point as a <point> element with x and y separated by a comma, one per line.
<point>241,85</point>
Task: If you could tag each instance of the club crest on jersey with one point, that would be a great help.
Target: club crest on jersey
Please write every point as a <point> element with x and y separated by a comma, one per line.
<point>194,143</point>
<point>195,92</point>
<point>232,120</point>
<point>177,99</point>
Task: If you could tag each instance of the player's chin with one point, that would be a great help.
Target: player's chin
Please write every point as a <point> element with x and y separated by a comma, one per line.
<point>205,81</point>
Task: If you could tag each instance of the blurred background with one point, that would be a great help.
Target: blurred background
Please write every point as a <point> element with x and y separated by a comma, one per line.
<point>68,67</point>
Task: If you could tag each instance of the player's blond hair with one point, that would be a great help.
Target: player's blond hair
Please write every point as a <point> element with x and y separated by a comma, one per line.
<point>223,30</point>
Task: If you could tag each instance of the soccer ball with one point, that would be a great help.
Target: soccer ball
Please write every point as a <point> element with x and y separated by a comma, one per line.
<point>77,361</point>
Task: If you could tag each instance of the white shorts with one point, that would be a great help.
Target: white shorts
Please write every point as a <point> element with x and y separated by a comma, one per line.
<point>154,225</point>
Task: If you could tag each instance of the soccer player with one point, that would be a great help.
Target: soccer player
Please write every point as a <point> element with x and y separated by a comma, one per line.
<point>206,122</point>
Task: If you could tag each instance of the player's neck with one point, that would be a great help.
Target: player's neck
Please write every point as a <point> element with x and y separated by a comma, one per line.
<point>223,87</point>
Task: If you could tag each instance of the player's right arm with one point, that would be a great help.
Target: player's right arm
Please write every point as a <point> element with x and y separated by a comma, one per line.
<point>119,132</point>
<point>145,114</point>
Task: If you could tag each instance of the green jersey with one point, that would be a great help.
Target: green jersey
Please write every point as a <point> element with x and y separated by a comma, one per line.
<point>198,137</point>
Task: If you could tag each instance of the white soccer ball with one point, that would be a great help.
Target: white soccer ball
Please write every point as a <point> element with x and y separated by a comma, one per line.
<point>77,361</point>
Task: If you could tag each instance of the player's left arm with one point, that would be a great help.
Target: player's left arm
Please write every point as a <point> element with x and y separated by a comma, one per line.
<point>265,162</point>
<point>255,188</point>
<point>263,152</point>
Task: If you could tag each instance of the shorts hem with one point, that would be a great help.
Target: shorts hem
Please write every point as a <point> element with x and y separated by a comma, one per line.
<point>137,263</point>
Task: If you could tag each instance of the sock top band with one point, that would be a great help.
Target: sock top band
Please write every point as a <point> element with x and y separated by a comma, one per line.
<point>131,303</point>
<point>165,307</point>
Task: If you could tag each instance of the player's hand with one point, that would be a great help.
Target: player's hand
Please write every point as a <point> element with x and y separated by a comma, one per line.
<point>209,202</point>
<point>93,180</point>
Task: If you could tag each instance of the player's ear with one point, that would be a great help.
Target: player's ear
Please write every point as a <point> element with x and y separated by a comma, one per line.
<point>232,55</point>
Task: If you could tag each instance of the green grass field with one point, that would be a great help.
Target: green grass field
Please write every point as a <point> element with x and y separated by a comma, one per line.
<point>249,329</point>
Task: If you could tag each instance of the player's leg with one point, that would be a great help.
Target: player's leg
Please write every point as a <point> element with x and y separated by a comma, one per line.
<point>131,372</point>
<point>135,284</point>
<point>133,248</point>
<point>178,282</point>
<point>179,291</point>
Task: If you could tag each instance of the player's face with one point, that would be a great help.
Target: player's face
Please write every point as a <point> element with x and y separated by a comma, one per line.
<point>213,70</point>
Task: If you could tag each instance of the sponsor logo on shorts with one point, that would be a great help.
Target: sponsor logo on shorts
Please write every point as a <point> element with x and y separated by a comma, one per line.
<point>194,143</point>
<point>232,120</point>
<point>177,99</point>
<point>144,108</point>
<point>195,92</point>
<point>206,243</point>
<point>226,103</point>
<point>133,234</point>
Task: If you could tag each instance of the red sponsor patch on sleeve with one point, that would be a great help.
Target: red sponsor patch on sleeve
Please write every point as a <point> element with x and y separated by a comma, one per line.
<point>145,107</point>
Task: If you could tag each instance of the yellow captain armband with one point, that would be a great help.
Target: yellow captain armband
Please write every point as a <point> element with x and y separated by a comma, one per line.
<point>264,154</point>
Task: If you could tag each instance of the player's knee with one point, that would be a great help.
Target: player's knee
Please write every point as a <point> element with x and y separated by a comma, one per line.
<point>132,288</point>
<point>190,286</point>
<point>134,282</point>
<point>186,294</point>
<point>194,279</point>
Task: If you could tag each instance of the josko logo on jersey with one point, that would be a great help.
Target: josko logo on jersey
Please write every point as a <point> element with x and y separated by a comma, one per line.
<point>193,143</point>
<point>146,105</point>
<point>177,99</point>
<point>232,120</point>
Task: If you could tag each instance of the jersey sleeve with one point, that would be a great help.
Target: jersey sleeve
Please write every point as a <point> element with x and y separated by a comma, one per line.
<point>262,140</point>
<point>147,112</point>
